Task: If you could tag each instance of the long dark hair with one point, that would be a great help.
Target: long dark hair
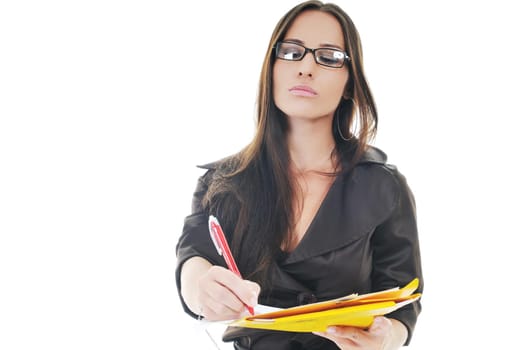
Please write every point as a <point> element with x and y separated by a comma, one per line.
<point>252,191</point>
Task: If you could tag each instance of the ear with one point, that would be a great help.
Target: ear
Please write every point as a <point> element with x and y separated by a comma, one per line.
<point>348,90</point>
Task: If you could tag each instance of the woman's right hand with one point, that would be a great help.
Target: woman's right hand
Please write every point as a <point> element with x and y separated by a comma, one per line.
<point>214,292</point>
<point>223,295</point>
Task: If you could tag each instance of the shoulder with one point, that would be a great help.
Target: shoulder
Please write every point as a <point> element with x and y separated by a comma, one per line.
<point>373,155</point>
<point>375,160</point>
<point>373,169</point>
<point>218,169</point>
<point>225,164</point>
<point>218,164</point>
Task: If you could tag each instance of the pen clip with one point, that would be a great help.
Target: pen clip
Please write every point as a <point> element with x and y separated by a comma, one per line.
<point>214,234</point>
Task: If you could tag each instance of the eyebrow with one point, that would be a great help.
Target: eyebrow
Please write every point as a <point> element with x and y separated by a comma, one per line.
<point>327,45</point>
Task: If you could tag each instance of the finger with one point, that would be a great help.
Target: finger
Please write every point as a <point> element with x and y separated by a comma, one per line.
<point>254,289</point>
<point>246,291</point>
<point>346,331</point>
<point>220,291</point>
<point>342,342</point>
<point>380,326</point>
<point>221,299</point>
<point>253,286</point>
<point>347,336</point>
<point>218,303</point>
<point>210,312</point>
<point>216,300</point>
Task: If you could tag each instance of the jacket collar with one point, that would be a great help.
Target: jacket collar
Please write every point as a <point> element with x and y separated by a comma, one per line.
<point>355,204</point>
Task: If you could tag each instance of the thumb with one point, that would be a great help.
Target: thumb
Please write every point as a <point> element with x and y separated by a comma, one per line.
<point>380,326</point>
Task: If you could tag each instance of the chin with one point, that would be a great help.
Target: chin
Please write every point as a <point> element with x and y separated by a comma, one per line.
<point>305,110</point>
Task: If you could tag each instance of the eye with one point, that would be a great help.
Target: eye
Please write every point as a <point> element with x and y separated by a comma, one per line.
<point>288,51</point>
<point>330,57</point>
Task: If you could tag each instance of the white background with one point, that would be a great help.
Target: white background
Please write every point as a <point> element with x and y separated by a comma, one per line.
<point>107,106</point>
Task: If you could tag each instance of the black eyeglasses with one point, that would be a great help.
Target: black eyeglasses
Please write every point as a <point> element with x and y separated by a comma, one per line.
<point>324,56</point>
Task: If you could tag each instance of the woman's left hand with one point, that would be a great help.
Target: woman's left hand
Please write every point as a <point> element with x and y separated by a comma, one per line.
<point>347,337</point>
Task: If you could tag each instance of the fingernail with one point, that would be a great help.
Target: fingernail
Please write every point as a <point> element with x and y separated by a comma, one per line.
<point>331,330</point>
<point>381,321</point>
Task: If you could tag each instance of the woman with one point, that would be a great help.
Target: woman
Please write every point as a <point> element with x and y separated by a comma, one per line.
<point>311,211</point>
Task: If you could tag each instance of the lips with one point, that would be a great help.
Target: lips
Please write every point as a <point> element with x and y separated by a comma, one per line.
<point>303,90</point>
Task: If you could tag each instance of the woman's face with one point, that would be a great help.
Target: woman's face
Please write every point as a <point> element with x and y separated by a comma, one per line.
<point>305,89</point>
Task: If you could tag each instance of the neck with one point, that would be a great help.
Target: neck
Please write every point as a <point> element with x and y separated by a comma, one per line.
<point>311,148</point>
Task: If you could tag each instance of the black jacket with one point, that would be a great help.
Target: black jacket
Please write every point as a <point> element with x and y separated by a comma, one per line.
<point>363,239</point>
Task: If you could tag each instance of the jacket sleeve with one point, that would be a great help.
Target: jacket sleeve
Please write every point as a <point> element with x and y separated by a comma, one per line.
<point>195,239</point>
<point>396,253</point>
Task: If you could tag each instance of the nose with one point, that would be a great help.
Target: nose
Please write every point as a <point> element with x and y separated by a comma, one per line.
<point>307,65</point>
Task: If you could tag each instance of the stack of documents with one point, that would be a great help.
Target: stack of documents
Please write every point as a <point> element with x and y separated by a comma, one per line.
<point>351,310</point>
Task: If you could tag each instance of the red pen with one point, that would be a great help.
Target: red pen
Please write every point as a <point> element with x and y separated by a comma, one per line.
<point>220,242</point>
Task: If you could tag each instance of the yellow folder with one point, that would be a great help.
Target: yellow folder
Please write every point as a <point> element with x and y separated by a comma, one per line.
<point>351,310</point>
